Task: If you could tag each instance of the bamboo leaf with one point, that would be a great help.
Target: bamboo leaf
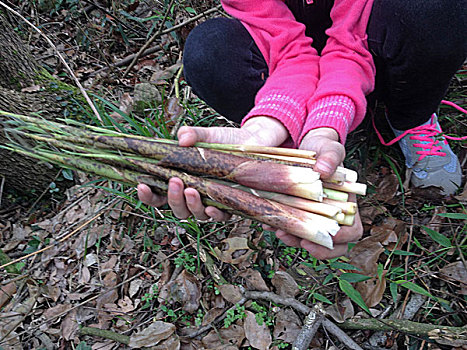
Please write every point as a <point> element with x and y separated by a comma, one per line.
<point>414,288</point>
<point>438,237</point>
<point>353,294</point>
<point>322,298</point>
<point>354,277</point>
<point>458,216</point>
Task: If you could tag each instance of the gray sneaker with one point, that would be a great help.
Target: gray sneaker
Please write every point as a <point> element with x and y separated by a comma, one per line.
<point>429,156</point>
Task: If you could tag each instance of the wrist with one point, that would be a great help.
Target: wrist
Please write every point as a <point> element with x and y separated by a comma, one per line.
<point>328,133</point>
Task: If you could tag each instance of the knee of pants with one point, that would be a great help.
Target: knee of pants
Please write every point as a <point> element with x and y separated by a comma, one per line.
<point>438,26</point>
<point>215,53</point>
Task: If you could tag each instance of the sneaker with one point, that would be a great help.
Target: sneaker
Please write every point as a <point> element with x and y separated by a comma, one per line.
<point>428,154</point>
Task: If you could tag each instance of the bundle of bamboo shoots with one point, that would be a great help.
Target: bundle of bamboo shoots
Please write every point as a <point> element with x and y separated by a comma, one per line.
<point>275,186</point>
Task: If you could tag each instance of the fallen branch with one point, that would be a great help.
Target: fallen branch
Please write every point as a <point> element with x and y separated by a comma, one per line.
<point>312,323</point>
<point>431,331</point>
<point>120,338</point>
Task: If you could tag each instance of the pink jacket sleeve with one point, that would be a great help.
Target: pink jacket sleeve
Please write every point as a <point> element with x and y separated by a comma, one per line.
<point>292,62</point>
<point>346,69</point>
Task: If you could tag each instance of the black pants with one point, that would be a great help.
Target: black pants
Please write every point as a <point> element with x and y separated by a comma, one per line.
<point>417,46</point>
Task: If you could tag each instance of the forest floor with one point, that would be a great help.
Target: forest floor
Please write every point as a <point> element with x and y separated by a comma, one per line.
<point>106,272</point>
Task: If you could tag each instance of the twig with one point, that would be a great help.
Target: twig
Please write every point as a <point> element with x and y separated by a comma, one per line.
<point>1,190</point>
<point>432,331</point>
<point>120,338</point>
<point>312,323</point>
<point>150,41</point>
<point>406,311</point>
<point>341,335</point>
<point>61,58</point>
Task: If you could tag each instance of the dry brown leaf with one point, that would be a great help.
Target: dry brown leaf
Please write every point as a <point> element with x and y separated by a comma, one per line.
<point>85,240</point>
<point>287,326</point>
<point>69,326</point>
<point>51,291</point>
<point>235,250</point>
<point>151,335</point>
<point>56,310</point>
<point>369,212</point>
<point>135,286</point>
<point>463,196</point>
<point>172,343</point>
<point>211,315</point>
<point>455,272</point>
<point>254,280</point>
<point>258,335</point>
<point>387,188</point>
<point>372,290</point>
<point>224,337</point>
<point>365,255</point>
<point>341,311</point>
<point>285,284</point>
<point>6,292</point>
<point>230,292</point>
<point>185,289</point>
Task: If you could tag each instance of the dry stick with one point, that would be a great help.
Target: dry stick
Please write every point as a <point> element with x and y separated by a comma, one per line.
<point>120,338</point>
<point>312,323</point>
<point>150,41</point>
<point>1,190</point>
<point>61,58</point>
<point>433,331</point>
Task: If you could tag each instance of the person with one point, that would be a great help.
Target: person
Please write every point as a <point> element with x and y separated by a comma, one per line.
<point>298,73</point>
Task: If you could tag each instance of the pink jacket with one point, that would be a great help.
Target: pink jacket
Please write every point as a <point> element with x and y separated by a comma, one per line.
<point>304,90</point>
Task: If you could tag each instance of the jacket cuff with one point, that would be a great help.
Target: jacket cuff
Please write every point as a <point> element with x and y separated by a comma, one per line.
<point>288,109</point>
<point>334,111</point>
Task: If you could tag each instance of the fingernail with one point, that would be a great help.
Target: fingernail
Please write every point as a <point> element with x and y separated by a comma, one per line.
<point>175,188</point>
<point>183,138</point>
<point>190,200</point>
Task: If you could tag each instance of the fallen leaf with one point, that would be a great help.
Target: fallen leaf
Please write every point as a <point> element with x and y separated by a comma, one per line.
<point>287,326</point>
<point>220,338</point>
<point>231,293</point>
<point>254,280</point>
<point>372,290</point>
<point>365,255</point>
<point>172,343</point>
<point>69,326</point>
<point>6,292</point>
<point>258,335</point>
<point>211,315</point>
<point>235,250</point>
<point>455,272</point>
<point>341,311</point>
<point>387,188</point>
<point>151,335</point>
<point>185,289</point>
<point>285,284</point>
<point>56,310</point>
<point>135,286</point>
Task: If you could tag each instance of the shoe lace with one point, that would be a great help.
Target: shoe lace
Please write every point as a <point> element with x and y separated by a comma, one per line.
<point>427,135</point>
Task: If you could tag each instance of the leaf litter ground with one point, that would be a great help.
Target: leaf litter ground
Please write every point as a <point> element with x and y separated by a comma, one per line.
<point>118,274</point>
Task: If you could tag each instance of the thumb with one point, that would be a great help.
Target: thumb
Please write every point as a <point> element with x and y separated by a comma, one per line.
<point>328,157</point>
<point>188,135</point>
